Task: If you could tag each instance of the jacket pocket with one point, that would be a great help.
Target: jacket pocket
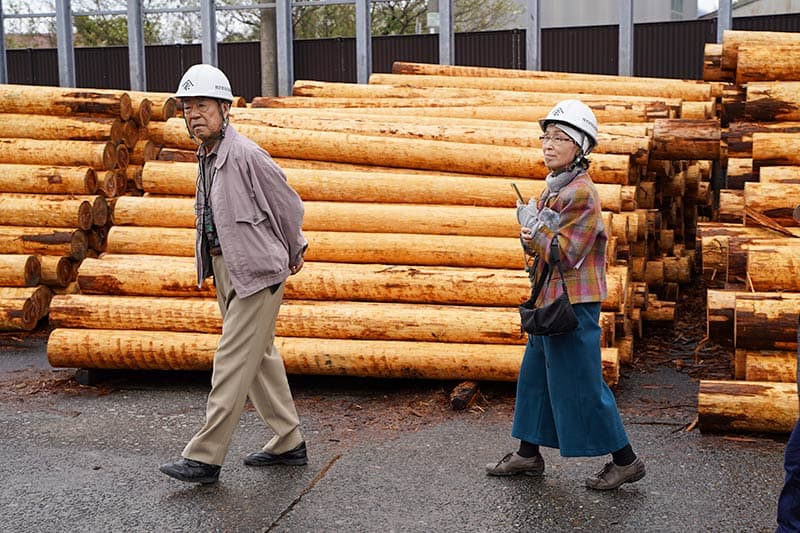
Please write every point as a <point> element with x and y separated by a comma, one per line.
<point>247,211</point>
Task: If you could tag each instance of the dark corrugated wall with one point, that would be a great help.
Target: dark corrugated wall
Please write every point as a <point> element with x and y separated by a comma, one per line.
<point>669,50</point>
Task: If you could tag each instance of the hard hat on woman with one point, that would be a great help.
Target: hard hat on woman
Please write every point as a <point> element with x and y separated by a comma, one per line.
<point>574,118</point>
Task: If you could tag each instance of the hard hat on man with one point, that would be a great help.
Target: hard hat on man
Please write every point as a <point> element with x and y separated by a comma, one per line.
<point>204,80</point>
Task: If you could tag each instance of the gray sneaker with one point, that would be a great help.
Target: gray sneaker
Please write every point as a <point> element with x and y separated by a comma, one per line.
<point>612,476</point>
<point>513,464</point>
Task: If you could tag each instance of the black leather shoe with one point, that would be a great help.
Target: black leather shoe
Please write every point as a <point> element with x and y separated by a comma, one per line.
<point>295,456</point>
<point>192,471</point>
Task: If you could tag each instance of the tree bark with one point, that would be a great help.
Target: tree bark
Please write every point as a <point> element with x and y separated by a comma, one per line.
<point>686,139</point>
<point>47,179</point>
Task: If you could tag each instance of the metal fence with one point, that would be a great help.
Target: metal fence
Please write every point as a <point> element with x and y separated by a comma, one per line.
<point>668,50</point>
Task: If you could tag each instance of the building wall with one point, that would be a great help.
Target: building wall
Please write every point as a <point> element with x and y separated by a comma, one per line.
<point>749,8</point>
<point>566,13</point>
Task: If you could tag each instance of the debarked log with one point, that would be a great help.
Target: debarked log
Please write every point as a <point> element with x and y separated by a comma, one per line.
<point>622,86</point>
<point>64,101</point>
<point>177,178</point>
<point>38,179</point>
<point>140,275</point>
<point>79,348</point>
<point>19,270</point>
<point>747,406</point>
<point>96,154</point>
<point>73,243</point>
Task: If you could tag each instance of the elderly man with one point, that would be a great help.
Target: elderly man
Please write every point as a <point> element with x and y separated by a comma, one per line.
<point>249,239</point>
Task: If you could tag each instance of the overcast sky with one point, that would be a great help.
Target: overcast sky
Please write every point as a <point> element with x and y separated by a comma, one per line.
<point>704,6</point>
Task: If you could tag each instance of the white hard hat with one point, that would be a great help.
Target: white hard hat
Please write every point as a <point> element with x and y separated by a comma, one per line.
<point>576,120</point>
<point>205,80</point>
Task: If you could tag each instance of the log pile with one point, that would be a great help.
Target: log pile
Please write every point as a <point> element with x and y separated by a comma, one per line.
<point>64,154</point>
<point>748,251</point>
<point>414,267</point>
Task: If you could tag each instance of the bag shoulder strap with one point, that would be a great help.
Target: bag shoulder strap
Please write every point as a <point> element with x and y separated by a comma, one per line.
<point>555,257</point>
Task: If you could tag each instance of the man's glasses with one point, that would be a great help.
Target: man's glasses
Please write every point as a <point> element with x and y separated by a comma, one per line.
<point>555,140</point>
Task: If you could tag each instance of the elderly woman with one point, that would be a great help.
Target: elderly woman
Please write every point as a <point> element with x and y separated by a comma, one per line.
<point>562,401</point>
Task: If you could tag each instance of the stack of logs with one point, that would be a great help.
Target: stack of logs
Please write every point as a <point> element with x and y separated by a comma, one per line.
<point>749,252</point>
<point>63,153</point>
<point>414,268</point>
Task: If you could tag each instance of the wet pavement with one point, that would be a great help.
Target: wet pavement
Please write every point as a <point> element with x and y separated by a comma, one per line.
<point>384,456</point>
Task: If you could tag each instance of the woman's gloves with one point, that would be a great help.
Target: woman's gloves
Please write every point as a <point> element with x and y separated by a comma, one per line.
<point>527,215</point>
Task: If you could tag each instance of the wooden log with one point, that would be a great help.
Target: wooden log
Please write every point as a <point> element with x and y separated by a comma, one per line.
<point>385,359</point>
<point>409,153</point>
<point>47,179</point>
<point>25,240</point>
<point>775,149</point>
<point>740,171</point>
<point>144,150</point>
<point>34,302</point>
<point>733,39</point>
<point>770,101</point>
<point>56,271</point>
<point>64,101</point>
<point>46,210</point>
<point>175,276</point>
<point>162,105</point>
<point>123,157</point>
<point>658,310</point>
<point>779,174</point>
<point>141,110</point>
<point>77,128</point>
<point>712,64</point>
<point>19,270</point>
<point>340,216</point>
<point>471,131</point>
<point>96,154</point>
<point>776,201</point>
<point>686,139</point>
<point>698,110</point>
<point>320,89</point>
<point>174,178</point>
<point>738,137</point>
<point>403,67</point>
<point>344,247</point>
<point>463,395</point>
<point>757,62</point>
<point>749,406</point>
<point>720,310</point>
<point>476,108</point>
<point>177,154</point>
<point>17,315</point>
<point>298,318</point>
<point>627,86</point>
<point>766,321</point>
<point>772,365</point>
<point>731,206</point>
<point>773,267</point>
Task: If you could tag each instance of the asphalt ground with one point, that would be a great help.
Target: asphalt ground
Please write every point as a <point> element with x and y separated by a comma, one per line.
<point>384,455</point>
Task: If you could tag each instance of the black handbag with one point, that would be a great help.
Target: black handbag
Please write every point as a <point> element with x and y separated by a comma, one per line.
<point>556,318</point>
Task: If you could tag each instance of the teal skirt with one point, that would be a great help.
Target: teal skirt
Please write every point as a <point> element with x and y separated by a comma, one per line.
<point>562,401</point>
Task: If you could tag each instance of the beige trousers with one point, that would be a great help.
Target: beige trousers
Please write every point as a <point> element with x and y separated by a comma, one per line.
<point>246,363</point>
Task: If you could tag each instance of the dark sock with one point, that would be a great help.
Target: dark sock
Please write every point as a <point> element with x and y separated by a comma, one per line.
<point>527,450</point>
<point>624,456</point>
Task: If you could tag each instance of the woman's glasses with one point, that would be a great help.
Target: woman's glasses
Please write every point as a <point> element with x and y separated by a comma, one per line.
<point>556,140</point>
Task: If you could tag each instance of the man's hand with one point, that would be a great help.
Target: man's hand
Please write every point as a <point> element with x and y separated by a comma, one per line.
<point>294,269</point>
